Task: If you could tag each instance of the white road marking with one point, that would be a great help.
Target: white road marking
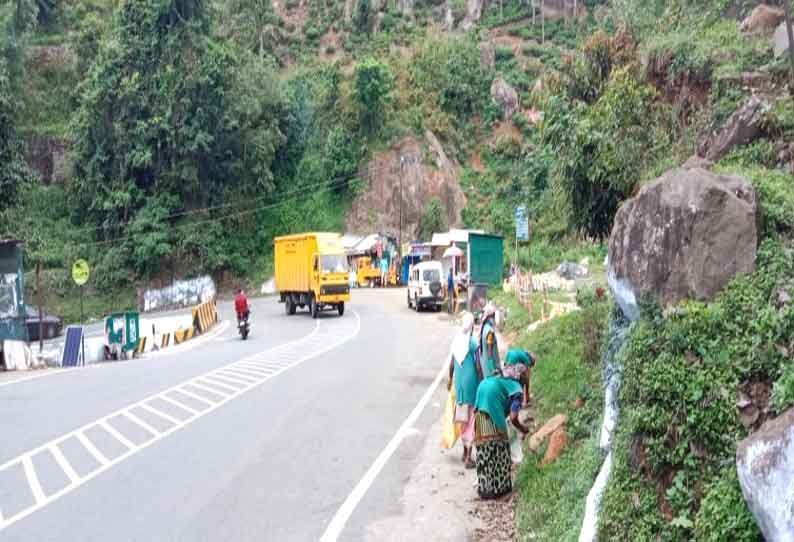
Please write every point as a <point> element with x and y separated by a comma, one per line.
<point>283,358</point>
<point>198,398</point>
<point>193,412</point>
<point>176,349</point>
<point>214,382</point>
<point>33,480</point>
<point>136,420</point>
<point>224,378</point>
<point>209,390</point>
<point>240,376</point>
<point>342,515</point>
<point>159,414</point>
<point>228,380</point>
<point>116,435</point>
<point>41,373</point>
<point>66,467</point>
<point>99,456</point>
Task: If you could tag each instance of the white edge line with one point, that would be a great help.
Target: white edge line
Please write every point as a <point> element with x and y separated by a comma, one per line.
<point>64,463</point>
<point>33,480</point>
<point>105,466</point>
<point>339,520</point>
<point>200,339</point>
<point>44,372</point>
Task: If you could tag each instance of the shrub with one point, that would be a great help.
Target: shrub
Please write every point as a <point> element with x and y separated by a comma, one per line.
<point>783,390</point>
<point>503,54</point>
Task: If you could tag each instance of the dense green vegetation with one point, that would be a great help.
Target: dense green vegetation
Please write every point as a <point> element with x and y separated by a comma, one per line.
<point>200,129</point>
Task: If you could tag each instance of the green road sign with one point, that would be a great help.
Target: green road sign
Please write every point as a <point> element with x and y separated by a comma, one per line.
<point>80,272</point>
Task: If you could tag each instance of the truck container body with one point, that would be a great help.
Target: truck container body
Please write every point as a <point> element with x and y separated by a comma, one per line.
<point>311,271</point>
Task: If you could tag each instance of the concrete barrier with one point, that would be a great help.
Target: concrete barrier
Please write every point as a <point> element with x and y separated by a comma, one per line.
<point>205,316</point>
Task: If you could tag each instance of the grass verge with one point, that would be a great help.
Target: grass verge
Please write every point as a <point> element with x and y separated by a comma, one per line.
<point>551,498</point>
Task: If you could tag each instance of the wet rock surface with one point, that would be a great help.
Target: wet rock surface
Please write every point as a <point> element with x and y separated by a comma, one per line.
<point>684,236</point>
<point>765,464</point>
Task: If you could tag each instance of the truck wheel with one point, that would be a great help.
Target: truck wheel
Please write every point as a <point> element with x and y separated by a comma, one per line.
<point>408,297</point>
<point>417,308</point>
<point>314,308</point>
<point>341,309</point>
<point>289,308</point>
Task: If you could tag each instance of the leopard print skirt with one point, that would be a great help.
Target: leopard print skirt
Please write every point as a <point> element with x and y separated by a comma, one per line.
<point>494,466</point>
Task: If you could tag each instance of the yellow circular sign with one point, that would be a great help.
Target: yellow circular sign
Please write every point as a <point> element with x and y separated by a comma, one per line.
<point>80,272</point>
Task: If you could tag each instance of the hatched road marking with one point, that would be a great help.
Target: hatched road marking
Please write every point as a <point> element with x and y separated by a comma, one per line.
<point>259,368</point>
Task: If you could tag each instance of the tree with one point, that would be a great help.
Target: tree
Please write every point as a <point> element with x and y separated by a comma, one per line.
<point>169,123</point>
<point>434,219</point>
<point>14,171</point>
<point>372,91</point>
<point>790,34</point>
<point>363,21</point>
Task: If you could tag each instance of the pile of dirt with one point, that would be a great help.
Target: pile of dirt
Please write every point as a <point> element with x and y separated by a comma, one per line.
<point>497,520</point>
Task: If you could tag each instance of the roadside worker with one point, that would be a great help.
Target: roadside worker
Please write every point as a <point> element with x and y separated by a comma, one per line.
<point>489,349</point>
<point>241,305</point>
<point>464,374</point>
<point>384,272</point>
<point>497,398</point>
<point>450,291</point>
<point>519,362</point>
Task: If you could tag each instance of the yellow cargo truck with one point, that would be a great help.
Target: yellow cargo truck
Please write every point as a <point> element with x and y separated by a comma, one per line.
<point>311,271</point>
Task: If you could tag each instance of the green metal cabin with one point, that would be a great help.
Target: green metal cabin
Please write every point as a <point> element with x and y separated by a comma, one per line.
<point>486,258</point>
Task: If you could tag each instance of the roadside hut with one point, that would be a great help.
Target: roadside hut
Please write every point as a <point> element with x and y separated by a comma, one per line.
<point>12,294</point>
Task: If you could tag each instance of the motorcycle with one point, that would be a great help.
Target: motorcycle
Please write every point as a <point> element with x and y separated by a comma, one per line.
<point>244,326</point>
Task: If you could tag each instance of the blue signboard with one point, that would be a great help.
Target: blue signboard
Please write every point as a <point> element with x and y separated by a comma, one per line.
<point>522,223</point>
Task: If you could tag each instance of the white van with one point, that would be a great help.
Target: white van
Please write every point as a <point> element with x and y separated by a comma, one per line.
<point>426,286</point>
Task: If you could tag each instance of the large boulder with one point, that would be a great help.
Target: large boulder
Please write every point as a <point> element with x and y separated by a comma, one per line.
<point>684,236</point>
<point>741,128</point>
<point>505,97</point>
<point>763,18</point>
<point>780,41</point>
<point>765,465</point>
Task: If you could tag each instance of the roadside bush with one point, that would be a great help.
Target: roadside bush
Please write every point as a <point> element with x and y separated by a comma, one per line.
<point>504,54</point>
<point>679,427</point>
<point>783,390</point>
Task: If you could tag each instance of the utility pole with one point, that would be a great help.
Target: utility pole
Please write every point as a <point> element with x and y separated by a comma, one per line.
<point>41,307</point>
<point>787,11</point>
<point>400,238</point>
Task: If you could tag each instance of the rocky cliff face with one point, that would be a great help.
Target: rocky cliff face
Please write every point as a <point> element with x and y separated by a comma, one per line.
<point>378,208</point>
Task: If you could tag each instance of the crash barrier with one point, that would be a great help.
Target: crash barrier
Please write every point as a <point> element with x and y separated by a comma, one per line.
<point>165,340</point>
<point>182,335</point>
<point>141,346</point>
<point>205,316</point>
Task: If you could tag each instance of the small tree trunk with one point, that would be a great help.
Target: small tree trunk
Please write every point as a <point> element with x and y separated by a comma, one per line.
<point>542,23</point>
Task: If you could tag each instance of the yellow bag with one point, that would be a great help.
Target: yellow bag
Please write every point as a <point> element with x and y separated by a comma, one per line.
<point>449,429</point>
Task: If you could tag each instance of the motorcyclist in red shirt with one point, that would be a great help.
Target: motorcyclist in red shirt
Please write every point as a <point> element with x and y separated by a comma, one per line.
<point>241,305</point>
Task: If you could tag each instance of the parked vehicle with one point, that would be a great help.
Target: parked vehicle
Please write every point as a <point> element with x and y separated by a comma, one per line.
<point>367,273</point>
<point>311,271</point>
<point>425,287</point>
<point>53,325</point>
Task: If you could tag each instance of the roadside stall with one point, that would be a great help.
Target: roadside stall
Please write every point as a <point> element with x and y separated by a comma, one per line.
<point>122,332</point>
<point>13,331</point>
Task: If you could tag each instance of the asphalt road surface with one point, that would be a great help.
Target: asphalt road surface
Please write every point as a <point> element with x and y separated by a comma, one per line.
<point>306,431</point>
